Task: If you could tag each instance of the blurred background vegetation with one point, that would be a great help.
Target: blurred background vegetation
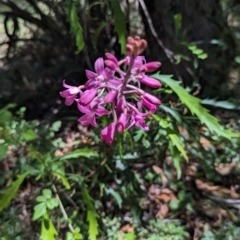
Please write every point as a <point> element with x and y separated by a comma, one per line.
<point>140,188</point>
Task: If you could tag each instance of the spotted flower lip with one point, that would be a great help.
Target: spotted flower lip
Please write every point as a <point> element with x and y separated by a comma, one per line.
<point>114,87</point>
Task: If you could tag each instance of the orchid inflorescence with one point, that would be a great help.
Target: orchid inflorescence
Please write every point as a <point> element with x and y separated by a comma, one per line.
<point>121,90</point>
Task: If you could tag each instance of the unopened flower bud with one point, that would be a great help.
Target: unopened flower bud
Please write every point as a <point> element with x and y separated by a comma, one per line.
<point>110,56</point>
<point>110,64</point>
<point>151,98</point>
<point>107,134</point>
<point>151,82</point>
<point>121,122</point>
<point>152,107</point>
<point>150,67</point>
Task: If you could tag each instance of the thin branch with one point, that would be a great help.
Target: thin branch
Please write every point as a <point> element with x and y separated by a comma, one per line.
<point>170,54</point>
<point>62,208</point>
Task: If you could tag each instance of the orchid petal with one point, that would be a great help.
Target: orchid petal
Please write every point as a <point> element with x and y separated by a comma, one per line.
<point>99,65</point>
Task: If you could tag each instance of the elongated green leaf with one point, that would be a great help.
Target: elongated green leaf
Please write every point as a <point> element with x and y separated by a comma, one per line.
<point>29,135</point>
<point>221,104</point>
<point>63,179</point>
<point>120,23</point>
<point>85,152</point>
<point>116,196</point>
<point>10,193</point>
<point>5,116</point>
<point>3,150</point>
<point>76,28</point>
<point>171,111</point>
<point>194,105</point>
<point>48,231</point>
<point>176,159</point>
<point>91,214</point>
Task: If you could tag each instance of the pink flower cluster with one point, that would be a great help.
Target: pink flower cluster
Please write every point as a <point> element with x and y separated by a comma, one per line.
<point>113,90</point>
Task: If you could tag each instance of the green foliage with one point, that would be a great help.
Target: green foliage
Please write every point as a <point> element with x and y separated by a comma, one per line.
<point>45,201</point>
<point>76,28</point>
<point>154,230</point>
<point>114,182</point>
<point>194,105</point>
<point>85,152</point>
<point>11,192</point>
<point>228,231</point>
<point>48,231</point>
<point>120,23</point>
<point>91,213</point>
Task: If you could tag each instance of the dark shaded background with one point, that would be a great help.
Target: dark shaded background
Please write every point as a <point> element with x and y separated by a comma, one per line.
<point>37,49</point>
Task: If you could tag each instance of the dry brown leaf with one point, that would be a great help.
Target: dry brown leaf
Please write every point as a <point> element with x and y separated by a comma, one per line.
<point>205,142</point>
<point>166,195</point>
<point>215,189</point>
<point>159,171</point>
<point>127,228</point>
<point>162,213</point>
<point>225,169</point>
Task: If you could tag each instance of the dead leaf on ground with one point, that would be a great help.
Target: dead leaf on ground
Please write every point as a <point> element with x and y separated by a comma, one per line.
<point>225,169</point>
<point>127,228</point>
<point>205,142</point>
<point>215,189</point>
<point>159,171</point>
<point>163,211</point>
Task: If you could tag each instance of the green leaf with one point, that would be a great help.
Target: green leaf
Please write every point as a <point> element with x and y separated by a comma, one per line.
<point>172,134</point>
<point>171,111</point>
<point>221,104</point>
<point>203,56</point>
<point>3,150</point>
<point>48,231</point>
<point>5,116</point>
<point>194,105</point>
<point>39,210</point>
<point>10,193</point>
<point>52,203</point>
<point>237,59</point>
<point>41,199</point>
<point>76,28</point>
<point>197,51</point>
<point>174,204</point>
<point>56,126</point>
<point>91,213</point>
<point>176,159</point>
<point>120,23</point>
<point>28,135</point>
<point>130,236</point>
<point>85,152</point>
<point>116,196</point>
<point>64,180</point>
<point>76,235</point>
<point>47,193</point>
<point>192,47</point>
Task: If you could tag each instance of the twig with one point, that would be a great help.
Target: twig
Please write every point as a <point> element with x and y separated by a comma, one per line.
<point>62,208</point>
<point>170,55</point>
